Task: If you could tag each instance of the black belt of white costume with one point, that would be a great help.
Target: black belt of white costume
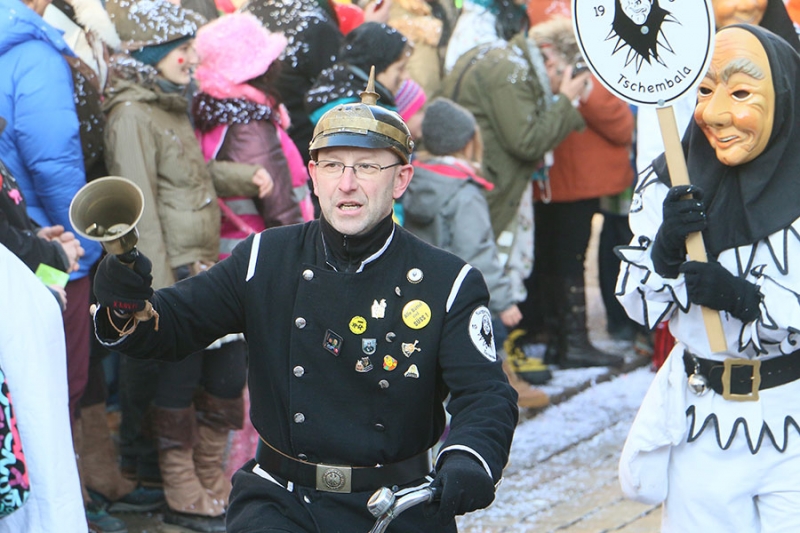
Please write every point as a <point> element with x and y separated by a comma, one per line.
<point>741,379</point>
<point>339,478</point>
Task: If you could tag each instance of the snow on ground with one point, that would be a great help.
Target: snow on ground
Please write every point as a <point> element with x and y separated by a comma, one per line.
<point>582,416</point>
<point>566,450</point>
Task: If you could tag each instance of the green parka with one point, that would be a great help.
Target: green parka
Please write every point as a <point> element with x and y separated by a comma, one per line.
<point>499,85</point>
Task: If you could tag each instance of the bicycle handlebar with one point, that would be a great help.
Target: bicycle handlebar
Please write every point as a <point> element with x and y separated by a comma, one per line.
<point>385,506</point>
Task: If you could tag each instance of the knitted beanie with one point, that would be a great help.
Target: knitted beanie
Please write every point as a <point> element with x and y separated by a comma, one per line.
<point>410,98</point>
<point>150,24</point>
<point>233,49</point>
<point>447,127</point>
<point>152,55</point>
<point>372,43</point>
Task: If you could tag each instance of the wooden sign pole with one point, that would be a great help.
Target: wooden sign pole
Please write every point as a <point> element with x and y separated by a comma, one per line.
<point>679,175</point>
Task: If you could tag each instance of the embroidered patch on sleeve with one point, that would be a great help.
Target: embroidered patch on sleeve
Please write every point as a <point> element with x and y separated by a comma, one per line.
<point>481,333</point>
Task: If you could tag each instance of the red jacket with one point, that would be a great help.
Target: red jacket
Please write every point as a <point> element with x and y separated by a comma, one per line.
<point>596,161</point>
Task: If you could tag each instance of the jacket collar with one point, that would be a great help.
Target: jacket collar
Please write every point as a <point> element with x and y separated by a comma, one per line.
<point>351,253</point>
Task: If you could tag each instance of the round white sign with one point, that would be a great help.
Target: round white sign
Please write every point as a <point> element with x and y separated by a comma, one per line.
<point>647,52</point>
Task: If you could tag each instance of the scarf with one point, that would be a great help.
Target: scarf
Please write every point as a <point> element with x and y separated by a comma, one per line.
<point>209,112</point>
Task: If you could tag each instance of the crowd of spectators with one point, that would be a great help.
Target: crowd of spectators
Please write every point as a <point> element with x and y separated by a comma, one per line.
<point>209,107</point>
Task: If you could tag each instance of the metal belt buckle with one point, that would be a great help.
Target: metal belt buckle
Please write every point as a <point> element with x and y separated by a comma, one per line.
<point>728,365</point>
<point>332,478</point>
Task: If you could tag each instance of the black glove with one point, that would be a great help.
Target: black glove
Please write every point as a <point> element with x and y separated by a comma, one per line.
<point>681,216</point>
<point>121,287</point>
<point>463,485</point>
<point>710,285</point>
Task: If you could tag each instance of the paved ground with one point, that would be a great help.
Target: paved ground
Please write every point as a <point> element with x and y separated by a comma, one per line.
<point>562,474</point>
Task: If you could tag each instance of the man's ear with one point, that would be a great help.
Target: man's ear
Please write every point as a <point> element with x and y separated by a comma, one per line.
<point>401,180</point>
<point>312,171</point>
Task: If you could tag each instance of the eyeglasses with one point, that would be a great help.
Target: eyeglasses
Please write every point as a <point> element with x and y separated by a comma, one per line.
<point>334,169</point>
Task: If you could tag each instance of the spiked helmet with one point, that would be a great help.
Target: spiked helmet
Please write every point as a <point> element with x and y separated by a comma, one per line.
<point>363,125</point>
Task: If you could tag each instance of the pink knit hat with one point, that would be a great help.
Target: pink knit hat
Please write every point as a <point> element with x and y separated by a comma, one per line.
<point>233,49</point>
<point>409,99</point>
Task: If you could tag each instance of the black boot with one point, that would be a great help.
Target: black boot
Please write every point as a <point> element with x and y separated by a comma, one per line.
<point>576,350</point>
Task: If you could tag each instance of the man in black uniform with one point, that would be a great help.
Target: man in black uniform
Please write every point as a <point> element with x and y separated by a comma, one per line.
<point>357,333</point>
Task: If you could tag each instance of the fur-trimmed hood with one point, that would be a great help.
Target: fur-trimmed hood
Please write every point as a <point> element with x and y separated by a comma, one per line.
<point>93,17</point>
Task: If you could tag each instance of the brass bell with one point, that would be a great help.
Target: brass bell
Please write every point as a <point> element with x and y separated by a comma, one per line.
<point>107,210</point>
<point>698,384</point>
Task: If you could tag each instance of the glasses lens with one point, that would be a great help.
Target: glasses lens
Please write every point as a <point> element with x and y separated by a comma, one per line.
<point>336,168</point>
<point>330,168</point>
<point>367,169</point>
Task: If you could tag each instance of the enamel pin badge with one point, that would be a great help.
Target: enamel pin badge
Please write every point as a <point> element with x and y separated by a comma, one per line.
<point>379,308</point>
<point>416,314</point>
<point>332,342</point>
<point>368,346</point>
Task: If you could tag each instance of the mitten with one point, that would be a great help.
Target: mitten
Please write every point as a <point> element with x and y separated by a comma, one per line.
<point>463,485</point>
<point>710,285</point>
<point>681,216</point>
<point>121,287</point>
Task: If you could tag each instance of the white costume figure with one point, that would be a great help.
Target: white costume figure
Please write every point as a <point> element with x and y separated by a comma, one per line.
<point>724,464</point>
<point>33,357</point>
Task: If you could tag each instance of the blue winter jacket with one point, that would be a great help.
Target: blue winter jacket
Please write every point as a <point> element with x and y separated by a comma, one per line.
<point>41,144</point>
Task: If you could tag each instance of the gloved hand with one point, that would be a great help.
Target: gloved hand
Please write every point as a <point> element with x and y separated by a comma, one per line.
<point>710,285</point>
<point>463,485</point>
<point>123,288</point>
<point>680,218</point>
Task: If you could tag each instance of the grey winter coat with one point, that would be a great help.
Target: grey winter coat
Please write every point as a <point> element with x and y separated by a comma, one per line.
<point>449,210</point>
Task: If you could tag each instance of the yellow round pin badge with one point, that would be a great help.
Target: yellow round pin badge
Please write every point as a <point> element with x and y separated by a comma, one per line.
<point>358,325</point>
<point>416,314</point>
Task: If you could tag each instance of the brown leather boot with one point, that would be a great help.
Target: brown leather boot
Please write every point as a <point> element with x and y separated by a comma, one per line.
<point>529,397</point>
<point>216,417</point>
<point>176,434</point>
<point>99,456</point>
<point>208,455</point>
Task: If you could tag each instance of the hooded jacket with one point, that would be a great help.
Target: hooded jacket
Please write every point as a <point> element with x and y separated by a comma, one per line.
<point>314,38</point>
<point>150,140</point>
<point>41,145</point>
<point>248,132</point>
<point>342,84</point>
<point>444,206</point>
<point>500,86</point>
<point>235,121</point>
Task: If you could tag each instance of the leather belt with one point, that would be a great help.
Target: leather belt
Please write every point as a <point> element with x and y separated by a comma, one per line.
<point>339,478</point>
<point>741,379</point>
